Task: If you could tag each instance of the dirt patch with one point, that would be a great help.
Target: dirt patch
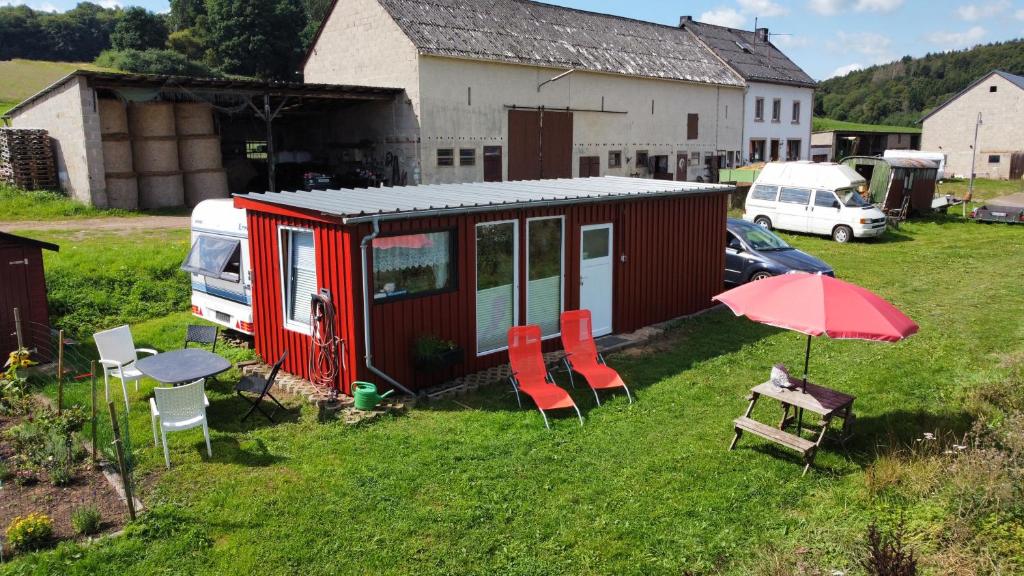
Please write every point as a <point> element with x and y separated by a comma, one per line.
<point>113,223</point>
<point>89,487</point>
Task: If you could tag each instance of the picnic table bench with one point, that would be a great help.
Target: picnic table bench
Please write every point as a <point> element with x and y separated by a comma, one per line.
<point>819,400</point>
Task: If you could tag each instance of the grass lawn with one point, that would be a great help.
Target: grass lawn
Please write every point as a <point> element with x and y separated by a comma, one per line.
<point>23,78</point>
<point>20,205</point>
<point>478,486</point>
<point>827,124</point>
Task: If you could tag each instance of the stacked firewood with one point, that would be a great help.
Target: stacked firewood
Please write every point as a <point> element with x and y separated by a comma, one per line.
<point>26,159</point>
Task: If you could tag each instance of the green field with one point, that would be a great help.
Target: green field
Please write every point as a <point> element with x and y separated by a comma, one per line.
<point>827,124</point>
<point>478,486</point>
<point>23,78</point>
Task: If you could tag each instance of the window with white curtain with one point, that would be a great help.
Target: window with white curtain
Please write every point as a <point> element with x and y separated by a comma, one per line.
<point>544,272</point>
<point>412,264</point>
<point>496,278</point>
<point>298,275</point>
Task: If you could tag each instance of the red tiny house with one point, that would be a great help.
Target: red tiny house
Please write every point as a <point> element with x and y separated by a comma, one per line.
<point>24,287</point>
<point>665,254</point>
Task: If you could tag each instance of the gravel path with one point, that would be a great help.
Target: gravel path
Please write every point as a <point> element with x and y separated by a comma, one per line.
<point>112,223</point>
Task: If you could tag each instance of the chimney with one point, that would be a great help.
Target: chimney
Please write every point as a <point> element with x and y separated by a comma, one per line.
<point>684,20</point>
<point>761,34</point>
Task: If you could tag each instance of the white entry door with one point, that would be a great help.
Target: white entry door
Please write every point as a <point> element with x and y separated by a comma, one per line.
<point>596,275</point>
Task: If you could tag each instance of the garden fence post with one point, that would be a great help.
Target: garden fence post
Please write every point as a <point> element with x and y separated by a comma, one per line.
<point>60,372</point>
<point>122,463</point>
<point>92,373</point>
<point>17,328</point>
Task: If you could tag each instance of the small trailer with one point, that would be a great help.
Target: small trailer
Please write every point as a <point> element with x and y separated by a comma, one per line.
<point>218,263</point>
<point>906,185</point>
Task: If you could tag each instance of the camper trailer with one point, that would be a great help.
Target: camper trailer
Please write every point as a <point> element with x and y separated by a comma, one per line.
<point>938,157</point>
<point>218,263</point>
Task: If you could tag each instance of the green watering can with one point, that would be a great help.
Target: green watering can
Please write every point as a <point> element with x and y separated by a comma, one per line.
<point>366,395</point>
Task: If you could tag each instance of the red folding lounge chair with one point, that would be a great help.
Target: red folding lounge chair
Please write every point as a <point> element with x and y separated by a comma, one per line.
<point>531,376</point>
<point>582,357</point>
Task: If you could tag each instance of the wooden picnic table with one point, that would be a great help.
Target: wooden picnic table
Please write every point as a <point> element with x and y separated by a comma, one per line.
<point>825,402</point>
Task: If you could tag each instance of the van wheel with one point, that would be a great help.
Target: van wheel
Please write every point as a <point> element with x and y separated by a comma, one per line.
<point>763,222</point>
<point>842,234</point>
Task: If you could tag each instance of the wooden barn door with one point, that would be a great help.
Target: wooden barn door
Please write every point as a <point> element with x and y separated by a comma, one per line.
<point>1017,166</point>
<point>14,293</point>
<point>492,163</point>
<point>590,166</point>
<point>539,144</point>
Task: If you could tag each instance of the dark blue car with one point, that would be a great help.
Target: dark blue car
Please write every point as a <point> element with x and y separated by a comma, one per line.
<point>754,253</point>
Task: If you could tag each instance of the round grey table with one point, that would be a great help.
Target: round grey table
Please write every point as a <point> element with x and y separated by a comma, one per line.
<point>184,365</point>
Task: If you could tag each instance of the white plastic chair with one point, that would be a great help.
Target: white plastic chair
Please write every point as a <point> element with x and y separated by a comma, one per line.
<point>118,355</point>
<point>179,408</point>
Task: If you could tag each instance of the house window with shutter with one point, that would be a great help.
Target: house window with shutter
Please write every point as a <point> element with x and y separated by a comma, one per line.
<point>692,123</point>
<point>298,276</point>
<point>445,157</point>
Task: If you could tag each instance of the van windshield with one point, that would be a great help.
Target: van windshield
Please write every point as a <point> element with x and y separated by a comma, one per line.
<point>852,199</point>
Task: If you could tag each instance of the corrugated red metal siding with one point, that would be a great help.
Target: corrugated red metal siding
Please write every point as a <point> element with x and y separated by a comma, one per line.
<point>670,261</point>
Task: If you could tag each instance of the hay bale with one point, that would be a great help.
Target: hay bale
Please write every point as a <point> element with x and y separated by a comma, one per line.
<point>113,116</point>
<point>204,185</point>
<point>193,118</point>
<point>151,119</point>
<point>117,156</point>
<point>199,153</point>
<point>122,191</point>
<point>161,190</point>
<point>155,154</point>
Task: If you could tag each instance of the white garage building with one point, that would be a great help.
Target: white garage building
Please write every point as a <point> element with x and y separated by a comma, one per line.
<point>512,89</point>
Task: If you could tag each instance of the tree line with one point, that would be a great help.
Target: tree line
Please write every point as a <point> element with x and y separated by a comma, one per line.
<point>256,38</point>
<point>901,92</point>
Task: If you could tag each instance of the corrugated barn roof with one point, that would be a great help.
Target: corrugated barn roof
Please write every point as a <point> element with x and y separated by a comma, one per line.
<point>401,202</point>
<point>524,32</point>
<point>753,58</point>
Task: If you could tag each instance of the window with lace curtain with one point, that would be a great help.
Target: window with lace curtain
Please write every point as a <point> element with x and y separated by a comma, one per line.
<point>413,264</point>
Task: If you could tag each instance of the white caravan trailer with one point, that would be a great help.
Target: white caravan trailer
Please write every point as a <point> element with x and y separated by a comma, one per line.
<point>219,265</point>
<point>937,157</point>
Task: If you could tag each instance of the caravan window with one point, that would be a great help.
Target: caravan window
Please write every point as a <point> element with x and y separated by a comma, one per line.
<point>214,257</point>
<point>298,275</point>
<point>413,264</point>
<point>762,192</point>
<point>795,196</point>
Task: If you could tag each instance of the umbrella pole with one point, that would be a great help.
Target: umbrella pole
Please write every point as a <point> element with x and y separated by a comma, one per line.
<point>807,361</point>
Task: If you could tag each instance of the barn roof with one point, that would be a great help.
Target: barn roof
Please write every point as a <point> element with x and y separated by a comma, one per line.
<point>753,58</point>
<point>1014,79</point>
<point>402,202</point>
<point>526,32</point>
<point>6,237</point>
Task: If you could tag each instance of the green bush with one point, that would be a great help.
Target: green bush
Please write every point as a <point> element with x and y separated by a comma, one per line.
<point>86,520</point>
<point>47,442</point>
<point>6,472</point>
<point>30,532</point>
<point>154,61</point>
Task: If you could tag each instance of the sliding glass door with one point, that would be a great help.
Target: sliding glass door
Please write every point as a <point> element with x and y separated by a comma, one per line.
<point>497,265</point>
<point>545,255</point>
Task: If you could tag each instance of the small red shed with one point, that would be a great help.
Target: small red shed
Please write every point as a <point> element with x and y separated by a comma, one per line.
<point>463,263</point>
<point>23,286</point>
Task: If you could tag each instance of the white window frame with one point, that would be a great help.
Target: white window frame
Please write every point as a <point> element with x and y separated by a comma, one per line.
<point>515,279</point>
<point>561,265</point>
<point>285,260</point>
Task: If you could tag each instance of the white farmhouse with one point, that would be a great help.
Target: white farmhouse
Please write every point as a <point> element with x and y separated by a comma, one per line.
<point>779,97</point>
<point>514,89</point>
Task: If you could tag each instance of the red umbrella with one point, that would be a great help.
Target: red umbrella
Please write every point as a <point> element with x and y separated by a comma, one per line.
<point>814,305</point>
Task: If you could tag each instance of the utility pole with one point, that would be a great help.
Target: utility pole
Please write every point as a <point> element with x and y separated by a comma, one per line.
<point>974,158</point>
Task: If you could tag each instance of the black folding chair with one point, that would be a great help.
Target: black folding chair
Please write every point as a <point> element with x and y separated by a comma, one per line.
<point>260,386</point>
<point>201,335</point>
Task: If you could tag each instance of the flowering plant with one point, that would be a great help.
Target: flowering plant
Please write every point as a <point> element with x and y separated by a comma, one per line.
<point>30,532</point>
<point>20,358</point>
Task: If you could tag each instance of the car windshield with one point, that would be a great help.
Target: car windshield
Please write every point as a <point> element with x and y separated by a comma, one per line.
<point>760,239</point>
<point>852,199</point>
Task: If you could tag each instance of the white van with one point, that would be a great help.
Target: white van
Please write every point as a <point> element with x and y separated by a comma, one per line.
<point>818,198</point>
<point>219,265</point>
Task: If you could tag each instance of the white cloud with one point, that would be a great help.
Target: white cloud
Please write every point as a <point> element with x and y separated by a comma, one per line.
<point>1020,14</point>
<point>727,17</point>
<point>871,44</point>
<point>974,12</point>
<point>46,7</point>
<point>762,8</point>
<point>954,40</point>
<point>110,4</point>
<point>844,70</point>
<point>791,41</point>
<point>825,7</point>
<point>877,5</point>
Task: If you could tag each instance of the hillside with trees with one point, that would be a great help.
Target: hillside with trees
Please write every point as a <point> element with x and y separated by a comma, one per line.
<point>255,38</point>
<point>901,92</point>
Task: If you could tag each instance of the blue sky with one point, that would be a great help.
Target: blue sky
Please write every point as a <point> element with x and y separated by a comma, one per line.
<point>825,37</point>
